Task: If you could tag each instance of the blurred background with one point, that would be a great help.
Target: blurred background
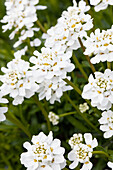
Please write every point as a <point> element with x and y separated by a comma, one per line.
<point>29,115</point>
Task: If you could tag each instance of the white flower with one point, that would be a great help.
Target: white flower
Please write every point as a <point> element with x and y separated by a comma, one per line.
<point>60,38</point>
<point>18,81</point>
<point>3,109</point>
<point>100,44</point>
<point>100,90</point>
<point>82,153</point>
<point>27,34</point>
<point>44,154</point>
<point>21,15</point>
<point>110,164</point>
<point>53,89</point>
<point>83,107</point>
<point>106,122</point>
<point>18,54</point>
<point>36,42</point>
<point>50,63</point>
<point>91,143</point>
<point>101,4</point>
<point>72,24</point>
<point>51,67</point>
<point>53,118</point>
<point>75,140</point>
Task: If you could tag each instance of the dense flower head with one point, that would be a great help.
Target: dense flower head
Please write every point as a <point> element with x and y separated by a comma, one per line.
<point>83,107</point>
<point>50,68</point>
<point>100,44</point>
<point>50,63</point>
<point>101,4</point>
<point>75,140</point>
<point>24,19</point>
<point>53,89</point>
<point>18,81</point>
<point>100,90</point>
<point>106,122</point>
<point>72,24</point>
<point>44,154</point>
<point>3,109</point>
<point>81,153</point>
<point>53,118</point>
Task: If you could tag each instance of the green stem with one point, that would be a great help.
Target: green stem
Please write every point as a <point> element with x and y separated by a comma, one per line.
<point>87,3</point>
<point>82,115</point>
<point>100,152</point>
<point>80,92</point>
<point>14,120</point>
<point>46,105</point>
<point>31,49</point>
<point>80,67</point>
<point>74,86</point>
<point>41,26</point>
<point>109,65</point>
<point>67,114</point>
<point>87,57</point>
<point>39,104</point>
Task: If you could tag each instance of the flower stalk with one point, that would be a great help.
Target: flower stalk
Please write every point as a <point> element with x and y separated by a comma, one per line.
<point>67,114</point>
<point>14,120</point>
<point>80,67</point>
<point>82,115</point>
<point>87,57</point>
<point>39,104</point>
<point>108,65</point>
<point>74,86</point>
<point>101,152</point>
<point>41,26</point>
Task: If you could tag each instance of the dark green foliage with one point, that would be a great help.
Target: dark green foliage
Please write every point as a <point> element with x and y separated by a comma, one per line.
<point>30,120</point>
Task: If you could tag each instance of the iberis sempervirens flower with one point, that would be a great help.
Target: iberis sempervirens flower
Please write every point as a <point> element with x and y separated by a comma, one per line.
<point>20,16</point>
<point>3,109</point>
<point>100,90</point>
<point>101,4</point>
<point>72,24</point>
<point>44,153</point>
<point>50,68</point>
<point>81,153</point>
<point>83,107</point>
<point>106,122</point>
<point>110,165</point>
<point>100,46</point>
<point>18,81</point>
<point>53,118</point>
<point>75,140</point>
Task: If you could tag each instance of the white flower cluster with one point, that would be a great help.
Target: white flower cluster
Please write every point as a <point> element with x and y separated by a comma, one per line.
<point>110,164</point>
<point>75,139</point>
<point>44,154</point>
<point>100,44</point>
<point>101,4</point>
<point>20,16</point>
<point>18,81</point>
<point>83,107</point>
<point>106,122</point>
<point>3,109</point>
<point>72,24</point>
<point>50,69</point>
<point>100,90</point>
<point>53,118</point>
<point>81,153</point>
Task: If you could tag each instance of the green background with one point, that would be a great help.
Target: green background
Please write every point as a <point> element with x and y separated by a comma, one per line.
<point>29,115</point>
